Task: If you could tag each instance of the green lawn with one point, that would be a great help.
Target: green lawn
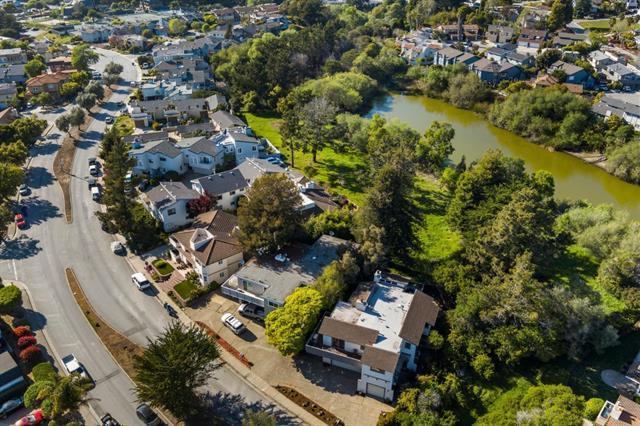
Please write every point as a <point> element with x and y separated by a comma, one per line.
<point>162,266</point>
<point>124,124</point>
<point>595,24</point>
<point>185,289</point>
<point>340,173</point>
<point>577,269</point>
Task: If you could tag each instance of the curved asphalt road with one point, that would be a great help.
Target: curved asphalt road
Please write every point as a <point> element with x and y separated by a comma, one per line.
<point>39,255</point>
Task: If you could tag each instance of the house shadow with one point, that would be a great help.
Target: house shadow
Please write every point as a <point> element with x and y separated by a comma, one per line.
<point>40,210</point>
<point>22,247</point>
<point>331,378</point>
<point>232,407</point>
<point>39,177</point>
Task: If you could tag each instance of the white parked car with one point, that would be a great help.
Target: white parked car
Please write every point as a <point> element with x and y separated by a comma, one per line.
<point>140,281</point>
<point>72,365</point>
<point>233,323</point>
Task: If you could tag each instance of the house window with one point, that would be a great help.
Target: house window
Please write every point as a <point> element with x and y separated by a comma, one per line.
<point>219,197</point>
<point>171,212</point>
<point>150,161</point>
<point>272,304</point>
<point>232,193</point>
<point>205,160</point>
<point>239,150</point>
<point>407,345</point>
<point>221,274</point>
<point>253,148</point>
<point>163,159</point>
<point>220,262</point>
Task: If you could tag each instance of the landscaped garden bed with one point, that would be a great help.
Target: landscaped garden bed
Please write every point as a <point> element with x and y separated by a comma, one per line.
<point>186,289</point>
<point>309,405</point>
<point>162,267</point>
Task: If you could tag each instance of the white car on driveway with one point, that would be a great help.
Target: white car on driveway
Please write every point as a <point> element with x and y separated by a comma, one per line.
<point>233,323</point>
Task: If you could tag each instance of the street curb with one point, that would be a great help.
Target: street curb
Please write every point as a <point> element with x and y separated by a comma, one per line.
<point>45,333</point>
<point>160,413</point>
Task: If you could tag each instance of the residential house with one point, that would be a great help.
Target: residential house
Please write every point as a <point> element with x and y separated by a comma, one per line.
<point>167,202</point>
<point>624,412</point>
<point>48,83</point>
<point>7,92</point>
<point>623,74</point>
<point>629,112</point>
<point>600,60</point>
<point>169,110</point>
<point>240,144</point>
<point>95,33</point>
<point>500,55</point>
<point>499,34</point>
<point>209,247</point>
<point>157,158</point>
<point>199,48</point>
<point>575,27</point>
<point>455,32</point>
<point>494,72</point>
<point>546,80</point>
<point>8,115</point>
<point>13,74</point>
<point>574,74</point>
<point>227,187</point>
<point>225,120</point>
<point>216,102</point>
<point>226,15</point>
<point>136,140</point>
<point>12,381</point>
<point>535,17</point>
<point>60,63</point>
<point>377,333</point>
<point>194,129</point>
<point>531,38</point>
<point>266,281</point>
<point>201,154</point>
<point>451,56</point>
<point>564,39</point>
<point>13,56</point>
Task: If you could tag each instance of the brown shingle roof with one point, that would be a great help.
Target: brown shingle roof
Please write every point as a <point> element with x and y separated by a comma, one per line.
<point>423,310</point>
<point>380,359</point>
<point>53,78</point>
<point>348,332</point>
<point>220,224</point>
<point>629,413</point>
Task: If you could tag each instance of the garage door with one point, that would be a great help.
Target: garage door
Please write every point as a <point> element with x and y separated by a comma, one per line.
<point>374,390</point>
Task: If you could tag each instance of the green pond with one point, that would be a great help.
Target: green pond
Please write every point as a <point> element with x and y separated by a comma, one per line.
<point>574,178</point>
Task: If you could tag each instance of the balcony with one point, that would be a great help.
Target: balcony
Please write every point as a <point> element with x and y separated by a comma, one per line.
<point>231,289</point>
<point>316,347</point>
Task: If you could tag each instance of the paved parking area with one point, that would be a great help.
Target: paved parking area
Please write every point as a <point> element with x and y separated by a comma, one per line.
<point>331,387</point>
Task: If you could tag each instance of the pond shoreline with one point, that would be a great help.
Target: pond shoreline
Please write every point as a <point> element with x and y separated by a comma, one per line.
<point>575,177</point>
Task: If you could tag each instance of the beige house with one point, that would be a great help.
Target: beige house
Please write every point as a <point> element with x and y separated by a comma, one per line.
<point>209,247</point>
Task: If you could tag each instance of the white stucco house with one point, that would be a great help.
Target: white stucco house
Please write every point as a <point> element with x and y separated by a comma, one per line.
<point>377,333</point>
<point>209,247</point>
<point>167,202</point>
<point>157,158</point>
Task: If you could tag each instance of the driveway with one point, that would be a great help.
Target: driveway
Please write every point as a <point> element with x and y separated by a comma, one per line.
<point>332,388</point>
<point>619,381</point>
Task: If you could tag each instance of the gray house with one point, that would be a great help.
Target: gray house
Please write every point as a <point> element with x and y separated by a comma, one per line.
<point>494,72</point>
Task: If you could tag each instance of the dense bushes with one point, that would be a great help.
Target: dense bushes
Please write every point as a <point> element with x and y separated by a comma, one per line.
<point>455,84</point>
<point>624,162</point>
<point>26,341</point>
<point>30,354</point>
<point>44,372</point>
<point>22,330</point>
<point>348,90</point>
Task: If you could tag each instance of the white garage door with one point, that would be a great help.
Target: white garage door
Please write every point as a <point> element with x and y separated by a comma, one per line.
<point>375,390</point>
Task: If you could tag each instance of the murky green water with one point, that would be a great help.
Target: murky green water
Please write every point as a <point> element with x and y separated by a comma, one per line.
<point>574,178</point>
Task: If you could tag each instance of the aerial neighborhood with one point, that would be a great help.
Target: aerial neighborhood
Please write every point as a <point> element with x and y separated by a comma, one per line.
<point>320,212</point>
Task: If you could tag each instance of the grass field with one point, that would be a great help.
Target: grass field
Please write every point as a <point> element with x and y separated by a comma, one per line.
<point>185,289</point>
<point>595,24</point>
<point>346,174</point>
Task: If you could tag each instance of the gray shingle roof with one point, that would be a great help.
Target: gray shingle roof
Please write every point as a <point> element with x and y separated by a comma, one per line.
<point>221,183</point>
<point>159,147</point>
<point>169,192</point>
<point>226,120</point>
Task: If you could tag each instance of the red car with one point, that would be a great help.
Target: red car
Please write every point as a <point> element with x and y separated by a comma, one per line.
<point>21,222</point>
<point>33,418</point>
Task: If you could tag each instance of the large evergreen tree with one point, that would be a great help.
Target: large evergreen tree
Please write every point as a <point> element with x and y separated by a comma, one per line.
<point>173,367</point>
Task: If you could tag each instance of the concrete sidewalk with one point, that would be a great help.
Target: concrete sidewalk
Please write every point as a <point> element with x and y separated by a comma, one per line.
<point>255,381</point>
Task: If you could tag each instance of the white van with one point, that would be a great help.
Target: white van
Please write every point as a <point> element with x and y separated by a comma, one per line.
<point>140,281</point>
<point>95,193</point>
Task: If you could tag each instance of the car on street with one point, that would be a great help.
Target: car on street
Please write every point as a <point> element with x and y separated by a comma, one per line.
<point>10,406</point>
<point>33,418</point>
<point>21,222</point>
<point>95,193</point>
<point>233,323</point>
<point>140,281</point>
<point>107,420</point>
<point>252,311</point>
<point>24,189</point>
<point>72,365</point>
<point>132,84</point>
<point>172,312</point>
<point>147,415</point>
<point>93,170</point>
<point>29,105</point>
<point>118,248</point>
<point>92,161</point>
<point>109,120</point>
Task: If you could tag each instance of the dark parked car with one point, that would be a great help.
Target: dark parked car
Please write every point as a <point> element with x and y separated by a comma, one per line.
<point>107,420</point>
<point>10,406</point>
<point>172,312</point>
<point>147,415</point>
